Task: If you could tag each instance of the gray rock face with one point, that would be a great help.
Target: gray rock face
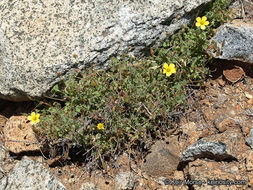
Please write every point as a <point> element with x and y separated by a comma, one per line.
<point>40,38</point>
<point>234,41</point>
<point>30,175</point>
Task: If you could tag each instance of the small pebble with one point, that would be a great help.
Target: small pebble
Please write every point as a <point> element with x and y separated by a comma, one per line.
<point>232,113</point>
<point>221,82</point>
<point>249,96</point>
<point>235,169</point>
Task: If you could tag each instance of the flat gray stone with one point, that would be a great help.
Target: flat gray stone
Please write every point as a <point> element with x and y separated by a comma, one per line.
<point>202,149</point>
<point>30,175</point>
<point>229,145</point>
<point>38,39</point>
<point>234,41</point>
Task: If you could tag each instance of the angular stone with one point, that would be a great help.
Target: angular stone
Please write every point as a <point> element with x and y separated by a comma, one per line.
<point>193,137</point>
<point>163,159</point>
<point>19,136</point>
<point>227,123</point>
<point>124,181</point>
<point>202,149</point>
<point>234,41</point>
<point>42,42</point>
<point>227,145</point>
<point>189,127</point>
<point>191,131</point>
<point>221,99</point>
<point>30,175</point>
<point>205,172</point>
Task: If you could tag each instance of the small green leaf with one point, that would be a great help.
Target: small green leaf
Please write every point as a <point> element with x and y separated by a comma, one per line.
<point>78,109</point>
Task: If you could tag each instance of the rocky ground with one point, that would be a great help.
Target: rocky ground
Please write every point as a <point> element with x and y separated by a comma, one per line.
<point>210,148</point>
<point>214,141</point>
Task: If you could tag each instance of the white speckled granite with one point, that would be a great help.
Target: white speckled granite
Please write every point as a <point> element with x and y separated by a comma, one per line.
<point>30,175</point>
<point>38,37</point>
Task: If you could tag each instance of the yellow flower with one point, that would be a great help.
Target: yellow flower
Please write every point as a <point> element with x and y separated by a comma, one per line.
<point>34,118</point>
<point>100,126</point>
<point>169,69</point>
<point>202,22</point>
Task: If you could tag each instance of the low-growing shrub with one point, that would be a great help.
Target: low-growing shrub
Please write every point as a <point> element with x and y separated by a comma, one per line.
<point>134,101</point>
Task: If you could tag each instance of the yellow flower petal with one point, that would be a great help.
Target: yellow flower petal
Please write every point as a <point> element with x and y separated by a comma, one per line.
<point>203,27</point>
<point>29,117</point>
<point>34,118</point>
<point>37,116</point>
<point>206,23</point>
<point>171,66</point>
<point>202,22</point>
<point>165,65</point>
<point>169,70</point>
<point>198,19</point>
<point>197,24</point>
<point>168,74</point>
<point>100,126</point>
